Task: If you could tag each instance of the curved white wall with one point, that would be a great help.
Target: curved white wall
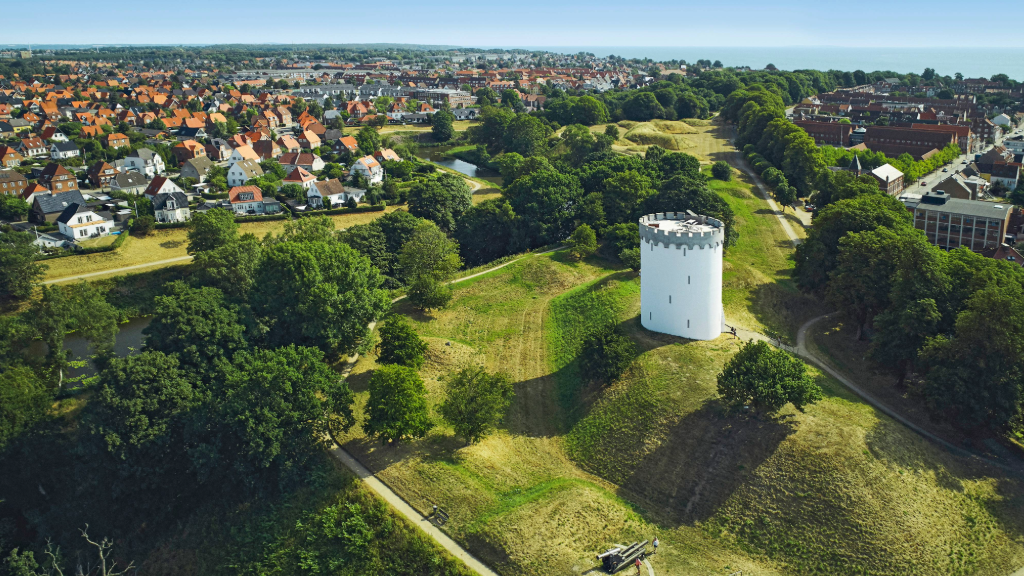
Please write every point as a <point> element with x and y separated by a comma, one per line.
<point>681,288</point>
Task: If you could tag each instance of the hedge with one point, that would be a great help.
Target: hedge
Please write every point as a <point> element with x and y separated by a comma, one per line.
<point>336,211</point>
<point>214,195</point>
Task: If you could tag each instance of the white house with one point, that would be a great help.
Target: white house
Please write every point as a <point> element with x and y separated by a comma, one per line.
<point>242,171</point>
<point>63,150</point>
<point>301,177</point>
<point>1002,120</point>
<point>369,168</point>
<point>79,223</point>
<point>333,190</point>
<point>171,207</point>
<point>161,185</point>
<point>246,200</point>
<point>145,162</point>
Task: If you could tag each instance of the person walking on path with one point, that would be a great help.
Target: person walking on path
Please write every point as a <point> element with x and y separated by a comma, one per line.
<point>656,538</point>
<point>637,567</point>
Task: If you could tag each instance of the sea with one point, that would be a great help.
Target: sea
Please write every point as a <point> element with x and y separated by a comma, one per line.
<point>971,62</point>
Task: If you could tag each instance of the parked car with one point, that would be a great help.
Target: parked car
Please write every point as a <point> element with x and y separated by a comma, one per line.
<point>945,169</point>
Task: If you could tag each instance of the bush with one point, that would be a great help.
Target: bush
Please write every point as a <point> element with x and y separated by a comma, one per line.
<point>721,170</point>
<point>606,355</point>
<point>631,258</point>
<point>767,379</point>
<point>333,211</point>
<point>583,242</point>
<point>399,344</point>
<point>143,225</point>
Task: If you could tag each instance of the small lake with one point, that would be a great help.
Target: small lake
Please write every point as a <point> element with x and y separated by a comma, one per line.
<point>437,156</point>
<point>129,337</point>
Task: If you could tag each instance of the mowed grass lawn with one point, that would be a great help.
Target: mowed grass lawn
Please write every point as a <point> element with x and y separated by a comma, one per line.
<point>172,243</point>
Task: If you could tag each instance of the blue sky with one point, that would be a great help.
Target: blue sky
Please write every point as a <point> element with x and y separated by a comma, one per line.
<point>872,23</point>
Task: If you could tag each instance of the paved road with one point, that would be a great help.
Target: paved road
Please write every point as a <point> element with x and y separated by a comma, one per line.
<point>119,270</point>
<point>403,507</point>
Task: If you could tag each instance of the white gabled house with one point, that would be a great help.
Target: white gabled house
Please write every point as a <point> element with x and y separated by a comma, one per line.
<point>80,223</point>
<point>369,168</point>
<point>242,171</point>
<point>64,150</point>
<point>145,162</point>
<point>249,200</point>
<point>171,207</point>
<point>334,191</point>
<point>243,153</point>
<point>161,185</point>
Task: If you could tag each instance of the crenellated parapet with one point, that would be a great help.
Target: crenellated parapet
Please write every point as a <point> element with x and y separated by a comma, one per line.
<point>682,229</point>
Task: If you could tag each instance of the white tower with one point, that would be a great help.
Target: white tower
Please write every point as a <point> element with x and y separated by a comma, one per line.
<point>681,274</point>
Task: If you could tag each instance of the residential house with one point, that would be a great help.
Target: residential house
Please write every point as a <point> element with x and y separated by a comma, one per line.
<point>12,183</point>
<point>243,170</point>
<point>33,146</point>
<point>46,207</point>
<point>171,207</point>
<point>34,189</point>
<point>161,185</point>
<point>100,174</point>
<point>953,222</point>
<point>289,144</point>
<point>890,180</point>
<point>9,157</point>
<point>386,154</point>
<point>64,150</point>
<point>345,144</point>
<point>78,222</point>
<point>466,113</point>
<point>188,150</point>
<point>218,150</point>
<point>332,193</point>
<point>243,153</point>
<point>116,140</point>
<point>52,134</point>
<point>145,162</point>
<point>58,178</point>
<point>308,161</point>
<point>1002,120</point>
<point>249,200</point>
<point>1006,253</point>
<point>369,168</point>
<point>996,155</point>
<point>196,168</point>
<point>129,182</point>
<point>1006,174</point>
<point>266,149</point>
<point>301,177</point>
<point>308,139</point>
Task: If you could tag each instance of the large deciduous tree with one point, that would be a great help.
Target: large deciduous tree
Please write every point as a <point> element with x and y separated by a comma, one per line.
<point>428,261</point>
<point>442,200</point>
<point>397,407</point>
<point>475,401</point>
<point>400,344</point>
<point>211,229</point>
<point>19,270</point>
<point>319,294</point>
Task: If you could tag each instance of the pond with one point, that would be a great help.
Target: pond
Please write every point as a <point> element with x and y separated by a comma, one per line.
<point>129,337</point>
<point>437,156</point>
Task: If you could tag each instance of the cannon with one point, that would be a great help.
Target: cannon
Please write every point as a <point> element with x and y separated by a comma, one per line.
<point>617,558</point>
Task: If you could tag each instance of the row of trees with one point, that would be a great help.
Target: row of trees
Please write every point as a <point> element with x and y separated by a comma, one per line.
<point>947,323</point>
